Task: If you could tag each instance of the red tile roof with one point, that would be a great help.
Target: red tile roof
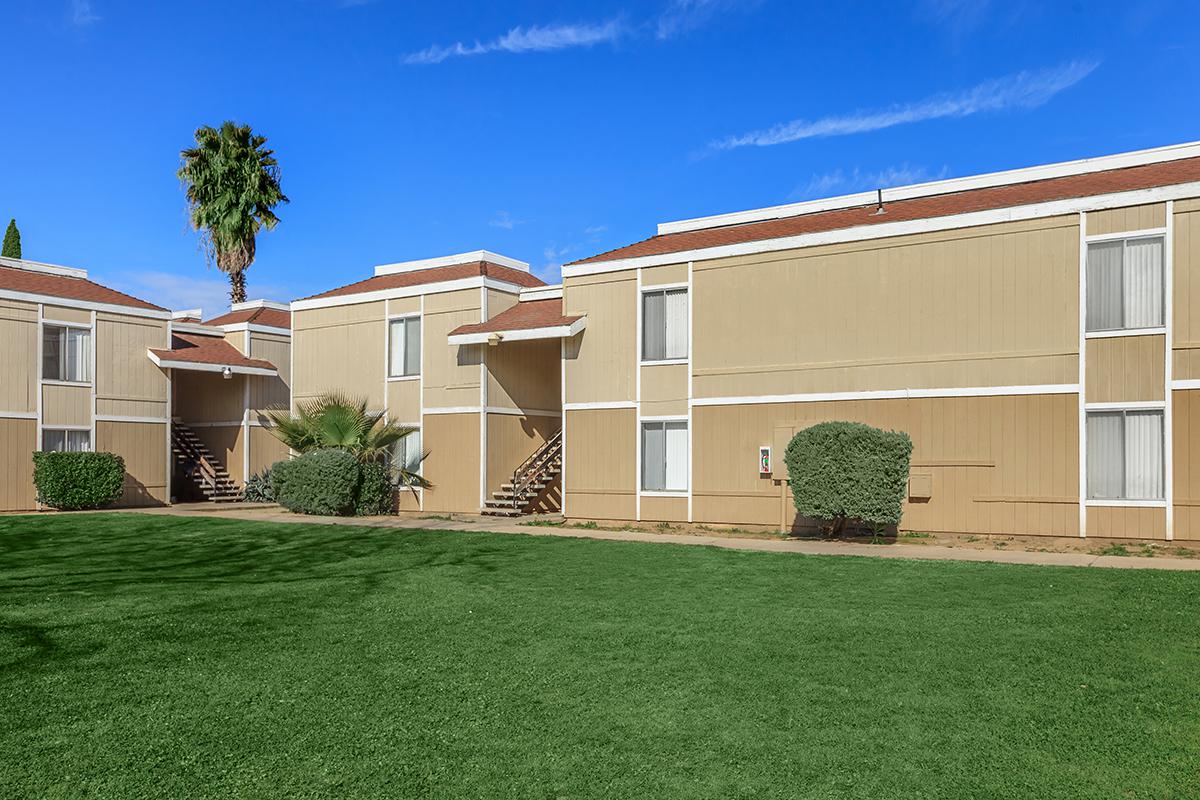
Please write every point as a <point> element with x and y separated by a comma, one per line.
<point>1146,176</point>
<point>271,317</point>
<point>67,288</point>
<point>522,316</point>
<point>199,349</point>
<point>435,275</point>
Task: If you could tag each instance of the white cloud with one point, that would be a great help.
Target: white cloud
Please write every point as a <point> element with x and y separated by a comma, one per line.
<point>1025,89</point>
<point>595,230</point>
<point>841,182</point>
<point>681,16</point>
<point>504,220</point>
<point>958,17</point>
<point>82,14</point>
<point>536,38</point>
<point>178,292</point>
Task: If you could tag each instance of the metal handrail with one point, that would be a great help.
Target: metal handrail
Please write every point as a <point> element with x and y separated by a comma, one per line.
<point>532,468</point>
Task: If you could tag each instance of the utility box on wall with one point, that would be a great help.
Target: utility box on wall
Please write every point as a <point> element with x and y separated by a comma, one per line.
<point>920,486</point>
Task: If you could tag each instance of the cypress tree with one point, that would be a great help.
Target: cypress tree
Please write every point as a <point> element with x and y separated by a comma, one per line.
<point>12,241</point>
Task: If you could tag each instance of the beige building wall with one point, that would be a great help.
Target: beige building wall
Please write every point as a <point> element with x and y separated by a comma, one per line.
<point>127,382</point>
<point>601,471</point>
<point>18,357</point>
<point>1125,369</point>
<point>18,440</point>
<point>1126,219</point>
<point>66,406</point>
<point>452,441</point>
<point>451,375</point>
<point>525,375</point>
<point>340,349</point>
<point>601,360</point>
<point>1186,291</point>
<point>144,448</point>
<point>510,440</point>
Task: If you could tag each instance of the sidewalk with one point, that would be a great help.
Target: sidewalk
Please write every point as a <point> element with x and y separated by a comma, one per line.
<point>272,513</point>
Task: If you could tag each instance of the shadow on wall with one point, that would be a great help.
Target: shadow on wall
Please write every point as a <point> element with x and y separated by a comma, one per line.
<point>135,493</point>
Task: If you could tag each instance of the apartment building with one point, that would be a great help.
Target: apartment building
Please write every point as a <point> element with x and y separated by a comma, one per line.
<point>1033,331</point>
<point>414,341</point>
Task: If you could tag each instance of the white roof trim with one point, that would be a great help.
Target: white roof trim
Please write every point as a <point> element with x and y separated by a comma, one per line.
<point>883,230</point>
<point>450,261</point>
<point>196,328</point>
<point>549,332</point>
<point>195,367</point>
<point>37,266</point>
<point>542,293</point>
<point>259,304</point>
<point>474,282</point>
<point>1024,175</point>
<point>111,308</point>
<point>188,313</point>
<point>253,328</point>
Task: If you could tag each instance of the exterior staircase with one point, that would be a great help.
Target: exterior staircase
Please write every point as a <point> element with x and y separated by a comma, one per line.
<point>198,470</point>
<point>532,487</point>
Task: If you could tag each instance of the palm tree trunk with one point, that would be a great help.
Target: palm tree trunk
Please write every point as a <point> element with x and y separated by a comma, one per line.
<point>237,286</point>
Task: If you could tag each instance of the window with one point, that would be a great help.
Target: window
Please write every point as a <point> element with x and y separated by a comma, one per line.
<point>59,441</point>
<point>404,347</point>
<point>1125,455</point>
<point>664,325</point>
<point>407,453</point>
<point>66,353</point>
<point>1125,284</point>
<point>664,456</point>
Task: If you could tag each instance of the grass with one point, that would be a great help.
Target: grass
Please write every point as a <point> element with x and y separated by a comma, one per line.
<point>149,656</point>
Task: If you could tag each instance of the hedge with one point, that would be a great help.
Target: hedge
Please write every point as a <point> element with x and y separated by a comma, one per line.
<point>72,481</point>
<point>844,471</point>
<point>322,482</point>
<point>376,495</point>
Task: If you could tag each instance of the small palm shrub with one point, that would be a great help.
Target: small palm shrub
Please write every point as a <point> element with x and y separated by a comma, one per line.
<point>73,481</point>
<point>847,472</point>
<point>258,488</point>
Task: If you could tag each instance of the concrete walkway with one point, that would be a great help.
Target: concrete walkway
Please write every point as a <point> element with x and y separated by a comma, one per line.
<point>272,513</point>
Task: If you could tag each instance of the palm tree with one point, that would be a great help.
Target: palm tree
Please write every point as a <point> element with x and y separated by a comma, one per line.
<point>232,188</point>
<point>336,421</point>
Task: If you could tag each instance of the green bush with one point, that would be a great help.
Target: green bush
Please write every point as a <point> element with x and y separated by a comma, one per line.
<point>846,471</point>
<point>324,482</point>
<point>375,493</point>
<point>258,488</point>
<point>71,481</point>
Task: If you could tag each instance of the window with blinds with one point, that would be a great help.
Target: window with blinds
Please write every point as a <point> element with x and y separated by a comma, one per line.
<point>66,353</point>
<point>664,325</point>
<point>1125,455</point>
<point>404,347</point>
<point>664,457</point>
<point>66,441</point>
<point>1125,284</point>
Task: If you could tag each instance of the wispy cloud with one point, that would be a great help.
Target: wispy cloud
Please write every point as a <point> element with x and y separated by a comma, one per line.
<point>595,230</point>
<point>1026,89</point>
<point>958,17</point>
<point>842,182</point>
<point>177,292</point>
<point>536,38</point>
<point>682,16</point>
<point>82,14</point>
<point>504,220</point>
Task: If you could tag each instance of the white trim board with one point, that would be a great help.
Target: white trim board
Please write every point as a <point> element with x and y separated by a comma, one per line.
<point>520,334</point>
<point>196,329</point>
<point>1098,503</point>
<point>249,304</point>
<point>237,327</point>
<point>420,289</point>
<point>139,420</point>
<point>38,266</point>
<point>1119,333</point>
<point>1184,384</point>
<point>883,230</point>
<point>891,394</point>
<point>18,415</point>
<point>552,292</point>
<point>85,305</point>
<point>599,405</point>
<point>1022,175</point>
<point>194,367</point>
<point>451,261</point>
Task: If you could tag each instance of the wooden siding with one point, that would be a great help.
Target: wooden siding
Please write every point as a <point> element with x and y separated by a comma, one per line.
<point>1128,218</point>
<point>451,375</point>
<point>144,448</point>
<point>404,401</point>
<point>664,390</point>
<point>998,464</point>
<point>601,464</point>
<point>511,440</point>
<point>270,392</point>
<point>208,397</point>
<point>226,443</point>
<point>1186,286</point>
<point>1126,523</point>
<point>127,381</point>
<point>77,316</point>
<point>601,360</point>
<point>265,449</point>
<point>525,375</point>
<point>1125,368</point>
<point>18,440</point>
<point>18,356</point>
<point>989,306</point>
<point>340,349</point>
<point>452,442</point>
<point>1186,405</point>
<point>661,276</point>
<point>66,406</point>
<point>664,509</point>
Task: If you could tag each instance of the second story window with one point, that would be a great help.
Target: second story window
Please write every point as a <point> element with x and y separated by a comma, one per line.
<point>664,325</point>
<point>1125,284</point>
<point>404,347</point>
<point>66,353</point>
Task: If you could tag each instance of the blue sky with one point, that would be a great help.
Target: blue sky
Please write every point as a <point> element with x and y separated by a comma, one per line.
<point>544,131</point>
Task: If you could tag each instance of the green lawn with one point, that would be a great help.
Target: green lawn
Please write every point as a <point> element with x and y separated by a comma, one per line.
<point>145,656</point>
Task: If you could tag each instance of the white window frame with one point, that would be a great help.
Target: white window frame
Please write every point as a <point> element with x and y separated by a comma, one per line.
<point>406,319</point>
<point>1125,409</point>
<point>663,289</point>
<point>648,422</point>
<point>66,431</point>
<point>420,445</point>
<point>1125,239</point>
<point>85,364</point>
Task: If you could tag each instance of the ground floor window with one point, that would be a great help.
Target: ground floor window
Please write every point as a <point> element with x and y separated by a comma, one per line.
<point>407,453</point>
<point>60,441</point>
<point>1125,455</point>
<point>664,456</point>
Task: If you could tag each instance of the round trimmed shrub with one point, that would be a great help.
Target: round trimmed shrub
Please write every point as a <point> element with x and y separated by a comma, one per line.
<point>324,482</point>
<point>848,471</point>
<point>75,481</point>
<point>375,493</point>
